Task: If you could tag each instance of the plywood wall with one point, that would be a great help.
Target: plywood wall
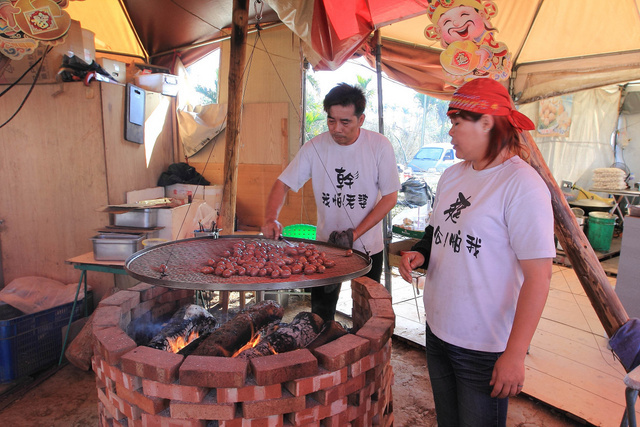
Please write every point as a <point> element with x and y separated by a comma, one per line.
<point>264,152</point>
<point>62,158</point>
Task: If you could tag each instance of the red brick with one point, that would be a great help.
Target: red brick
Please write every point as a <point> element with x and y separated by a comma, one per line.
<point>109,407</point>
<point>388,420</point>
<point>382,308</point>
<point>130,382</point>
<point>208,409</point>
<point>134,423</point>
<point>282,367</point>
<point>148,291</point>
<point>362,365</point>
<point>95,367</point>
<point>112,343</point>
<point>265,408</point>
<point>173,391</point>
<point>144,308</point>
<point>107,316</point>
<point>209,371</point>
<point>329,395</point>
<point>151,405</point>
<point>164,419</point>
<point>271,421</point>
<point>121,423</point>
<point>174,295</point>
<point>341,352</point>
<point>370,289</point>
<point>153,364</point>
<point>315,411</point>
<point>251,391</point>
<point>126,300</point>
<point>160,310</point>
<point>378,331</point>
<point>130,411</point>
<point>339,420</point>
<point>354,384</point>
<point>323,380</point>
<point>354,412</point>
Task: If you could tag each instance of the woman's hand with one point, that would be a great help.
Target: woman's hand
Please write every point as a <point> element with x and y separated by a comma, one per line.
<point>507,378</point>
<point>410,261</point>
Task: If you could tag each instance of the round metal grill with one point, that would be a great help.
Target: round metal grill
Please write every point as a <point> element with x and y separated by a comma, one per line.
<point>185,258</point>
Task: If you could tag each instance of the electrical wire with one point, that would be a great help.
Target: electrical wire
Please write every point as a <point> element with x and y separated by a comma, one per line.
<point>35,80</point>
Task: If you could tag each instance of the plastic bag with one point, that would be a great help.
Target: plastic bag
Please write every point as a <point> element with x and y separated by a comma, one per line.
<point>416,192</point>
<point>413,219</point>
<point>31,294</point>
<point>206,218</point>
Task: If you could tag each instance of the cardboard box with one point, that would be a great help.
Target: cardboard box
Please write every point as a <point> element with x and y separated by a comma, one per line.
<point>166,84</point>
<point>178,222</point>
<point>116,69</point>
<point>212,194</point>
<point>396,247</point>
<point>73,46</point>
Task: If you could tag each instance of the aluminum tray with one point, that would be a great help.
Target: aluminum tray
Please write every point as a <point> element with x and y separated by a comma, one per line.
<point>141,218</point>
<point>185,258</point>
<point>115,247</point>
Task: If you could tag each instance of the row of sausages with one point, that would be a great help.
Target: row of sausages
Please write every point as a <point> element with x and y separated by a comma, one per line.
<point>263,259</point>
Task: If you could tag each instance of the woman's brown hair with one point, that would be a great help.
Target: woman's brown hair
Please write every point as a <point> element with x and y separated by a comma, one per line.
<point>503,134</point>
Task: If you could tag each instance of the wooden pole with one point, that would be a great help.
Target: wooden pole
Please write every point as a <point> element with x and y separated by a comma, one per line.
<point>236,67</point>
<point>583,259</point>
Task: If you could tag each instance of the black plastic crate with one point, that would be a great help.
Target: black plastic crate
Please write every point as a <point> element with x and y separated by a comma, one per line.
<point>32,342</point>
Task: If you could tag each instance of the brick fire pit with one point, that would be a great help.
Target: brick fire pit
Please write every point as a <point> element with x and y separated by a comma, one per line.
<point>346,382</point>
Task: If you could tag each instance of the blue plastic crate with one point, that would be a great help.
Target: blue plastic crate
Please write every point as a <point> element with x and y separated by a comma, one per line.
<point>32,342</point>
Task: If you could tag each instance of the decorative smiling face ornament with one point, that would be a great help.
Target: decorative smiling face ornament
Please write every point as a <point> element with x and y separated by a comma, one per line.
<point>465,31</point>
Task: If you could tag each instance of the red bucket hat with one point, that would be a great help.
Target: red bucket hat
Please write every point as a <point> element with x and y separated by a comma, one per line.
<point>487,96</point>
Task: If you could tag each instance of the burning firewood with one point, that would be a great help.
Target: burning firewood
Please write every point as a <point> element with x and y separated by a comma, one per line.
<point>187,324</point>
<point>331,330</point>
<point>302,330</point>
<point>227,339</point>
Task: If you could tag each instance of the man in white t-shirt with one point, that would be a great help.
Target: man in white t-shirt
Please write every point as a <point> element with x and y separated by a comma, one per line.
<point>355,184</point>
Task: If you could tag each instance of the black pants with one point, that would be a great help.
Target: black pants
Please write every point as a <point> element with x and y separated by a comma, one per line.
<point>325,298</point>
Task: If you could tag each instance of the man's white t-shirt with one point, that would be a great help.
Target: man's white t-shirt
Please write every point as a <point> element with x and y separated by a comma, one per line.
<point>484,222</point>
<point>348,181</point>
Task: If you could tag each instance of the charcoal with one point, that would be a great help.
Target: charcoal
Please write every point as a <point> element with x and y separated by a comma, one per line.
<point>188,319</point>
<point>302,330</point>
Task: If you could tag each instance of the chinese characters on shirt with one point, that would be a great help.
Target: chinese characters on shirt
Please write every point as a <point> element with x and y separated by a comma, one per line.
<point>454,240</point>
<point>342,197</point>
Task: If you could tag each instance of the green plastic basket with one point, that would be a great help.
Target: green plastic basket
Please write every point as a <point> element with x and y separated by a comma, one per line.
<point>301,231</point>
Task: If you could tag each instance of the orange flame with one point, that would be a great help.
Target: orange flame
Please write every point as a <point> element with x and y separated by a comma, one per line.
<point>252,343</point>
<point>178,343</point>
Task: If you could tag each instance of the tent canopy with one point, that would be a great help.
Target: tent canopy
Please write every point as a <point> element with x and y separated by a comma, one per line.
<point>557,46</point>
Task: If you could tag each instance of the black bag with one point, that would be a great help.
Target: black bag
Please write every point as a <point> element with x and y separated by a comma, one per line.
<point>416,192</point>
<point>181,173</point>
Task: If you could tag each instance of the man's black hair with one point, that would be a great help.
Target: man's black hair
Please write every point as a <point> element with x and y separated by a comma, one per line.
<point>346,95</point>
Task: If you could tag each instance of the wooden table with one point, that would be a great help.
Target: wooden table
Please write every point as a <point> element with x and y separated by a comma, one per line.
<point>628,196</point>
<point>87,262</point>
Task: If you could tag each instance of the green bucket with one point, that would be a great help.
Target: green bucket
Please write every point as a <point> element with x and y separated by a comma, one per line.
<point>600,231</point>
<point>301,231</point>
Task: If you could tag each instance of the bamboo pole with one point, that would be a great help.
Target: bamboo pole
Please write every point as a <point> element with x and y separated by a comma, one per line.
<point>583,259</point>
<point>234,113</point>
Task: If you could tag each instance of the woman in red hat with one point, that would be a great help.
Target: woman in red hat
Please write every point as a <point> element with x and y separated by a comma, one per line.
<point>488,252</point>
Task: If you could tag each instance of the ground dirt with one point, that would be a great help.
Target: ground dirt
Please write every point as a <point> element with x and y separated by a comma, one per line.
<point>67,397</point>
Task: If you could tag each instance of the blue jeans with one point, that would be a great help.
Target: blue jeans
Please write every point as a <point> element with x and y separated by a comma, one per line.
<point>460,382</point>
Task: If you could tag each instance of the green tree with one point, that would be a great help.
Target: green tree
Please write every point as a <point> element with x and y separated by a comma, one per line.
<point>314,117</point>
<point>209,95</point>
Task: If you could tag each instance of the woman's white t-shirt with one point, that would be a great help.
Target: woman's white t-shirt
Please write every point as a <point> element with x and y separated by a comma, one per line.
<point>484,222</point>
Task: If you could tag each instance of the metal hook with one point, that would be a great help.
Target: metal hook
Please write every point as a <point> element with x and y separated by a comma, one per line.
<point>258,12</point>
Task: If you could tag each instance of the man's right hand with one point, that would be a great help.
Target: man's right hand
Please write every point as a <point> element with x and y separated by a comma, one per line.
<point>272,229</point>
